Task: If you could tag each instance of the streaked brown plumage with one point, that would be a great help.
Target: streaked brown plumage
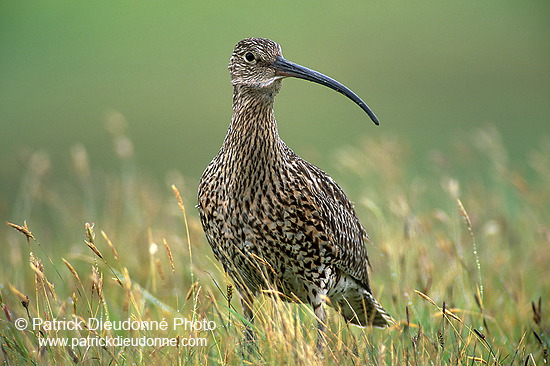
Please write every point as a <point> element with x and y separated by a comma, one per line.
<point>273,220</point>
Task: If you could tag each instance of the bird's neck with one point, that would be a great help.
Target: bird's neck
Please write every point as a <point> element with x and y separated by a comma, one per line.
<point>253,129</point>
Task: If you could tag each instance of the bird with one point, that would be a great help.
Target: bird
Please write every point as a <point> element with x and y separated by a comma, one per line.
<point>273,220</point>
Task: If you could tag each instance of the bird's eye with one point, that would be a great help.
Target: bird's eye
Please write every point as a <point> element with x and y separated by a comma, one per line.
<point>249,57</point>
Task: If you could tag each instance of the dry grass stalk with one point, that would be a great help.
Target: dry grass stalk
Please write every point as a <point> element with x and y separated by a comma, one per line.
<point>425,297</point>
<point>113,249</point>
<point>160,271</point>
<point>90,239</point>
<point>23,298</point>
<point>187,233</point>
<point>22,229</point>
<point>191,291</point>
<point>97,282</point>
<point>466,217</point>
<point>41,280</point>
<point>477,359</point>
<point>72,270</point>
<point>94,249</point>
<point>170,257</point>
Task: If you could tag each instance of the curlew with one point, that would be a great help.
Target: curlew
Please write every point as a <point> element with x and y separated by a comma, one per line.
<point>273,220</point>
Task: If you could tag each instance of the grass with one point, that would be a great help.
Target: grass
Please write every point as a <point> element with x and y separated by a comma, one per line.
<point>460,258</point>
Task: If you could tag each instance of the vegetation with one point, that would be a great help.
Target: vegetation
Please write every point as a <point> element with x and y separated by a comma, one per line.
<point>460,257</point>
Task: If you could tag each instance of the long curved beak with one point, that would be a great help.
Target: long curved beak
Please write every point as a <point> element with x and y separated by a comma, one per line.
<point>286,68</point>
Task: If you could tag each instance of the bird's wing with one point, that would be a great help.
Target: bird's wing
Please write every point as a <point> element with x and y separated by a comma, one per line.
<point>343,227</point>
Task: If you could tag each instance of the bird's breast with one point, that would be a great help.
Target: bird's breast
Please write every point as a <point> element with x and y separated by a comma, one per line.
<point>266,207</point>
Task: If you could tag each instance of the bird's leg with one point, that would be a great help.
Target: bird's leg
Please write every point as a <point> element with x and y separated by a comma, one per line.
<point>321,315</point>
<point>247,304</point>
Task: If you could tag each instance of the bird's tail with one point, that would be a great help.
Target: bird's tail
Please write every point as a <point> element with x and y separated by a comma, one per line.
<point>359,307</point>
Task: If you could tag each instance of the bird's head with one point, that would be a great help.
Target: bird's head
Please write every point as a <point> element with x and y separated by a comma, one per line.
<point>251,63</point>
<point>258,63</point>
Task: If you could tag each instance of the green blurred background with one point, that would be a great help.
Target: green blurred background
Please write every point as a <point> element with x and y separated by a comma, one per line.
<point>433,71</point>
